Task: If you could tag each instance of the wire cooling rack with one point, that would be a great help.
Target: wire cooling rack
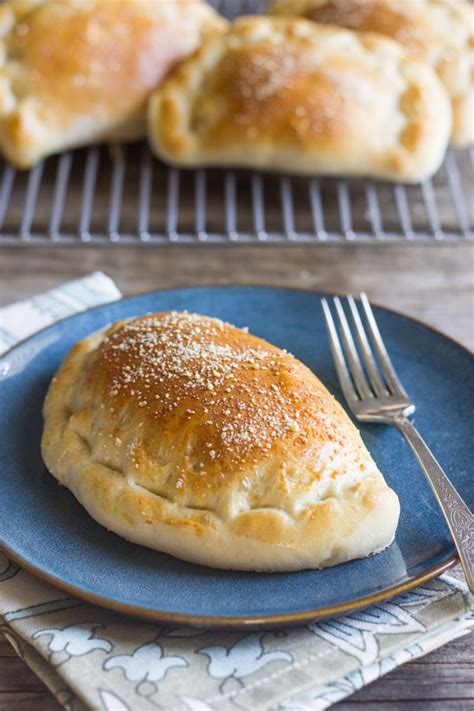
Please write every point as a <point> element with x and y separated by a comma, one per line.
<point>121,194</point>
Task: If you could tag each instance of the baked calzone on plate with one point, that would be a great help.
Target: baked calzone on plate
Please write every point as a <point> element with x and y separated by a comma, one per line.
<point>440,32</point>
<point>74,72</point>
<point>187,435</point>
<point>291,95</point>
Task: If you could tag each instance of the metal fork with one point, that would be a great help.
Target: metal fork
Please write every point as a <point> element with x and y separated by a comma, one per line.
<point>375,394</point>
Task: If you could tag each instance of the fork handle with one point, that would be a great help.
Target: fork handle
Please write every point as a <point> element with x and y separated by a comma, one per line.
<point>459,517</point>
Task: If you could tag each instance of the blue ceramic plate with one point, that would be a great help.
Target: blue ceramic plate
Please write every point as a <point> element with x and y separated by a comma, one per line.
<point>44,529</point>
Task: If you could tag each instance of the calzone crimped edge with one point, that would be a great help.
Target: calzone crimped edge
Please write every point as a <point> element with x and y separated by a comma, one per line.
<point>75,72</point>
<point>440,32</point>
<point>190,436</point>
<point>291,95</point>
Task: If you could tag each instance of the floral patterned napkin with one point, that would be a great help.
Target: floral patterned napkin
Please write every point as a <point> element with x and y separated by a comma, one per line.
<point>92,658</point>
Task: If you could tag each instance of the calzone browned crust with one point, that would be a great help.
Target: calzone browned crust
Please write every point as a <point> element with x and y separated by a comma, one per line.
<point>190,436</point>
<point>291,95</point>
<point>440,32</point>
<point>74,72</point>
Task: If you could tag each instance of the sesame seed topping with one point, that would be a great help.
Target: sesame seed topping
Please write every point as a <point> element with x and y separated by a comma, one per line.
<point>239,396</point>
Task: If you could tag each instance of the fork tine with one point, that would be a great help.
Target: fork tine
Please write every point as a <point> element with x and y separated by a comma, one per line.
<point>338,357</point>
<point>353,357</point>
<point>387,367</point>
<point>366,350</point>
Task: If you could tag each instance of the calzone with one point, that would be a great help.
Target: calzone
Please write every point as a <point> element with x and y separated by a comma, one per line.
<point>190,436</point>
<point>440,32</point>
<point>291,95</point>
<point>75,72</point>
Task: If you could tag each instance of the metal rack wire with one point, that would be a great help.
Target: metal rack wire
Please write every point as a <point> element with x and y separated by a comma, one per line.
<point>121,194</point>
<point>124,195</point>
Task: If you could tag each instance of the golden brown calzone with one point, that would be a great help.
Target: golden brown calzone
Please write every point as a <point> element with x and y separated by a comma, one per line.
<point>187,435</point>
<point>291,95</point>
<point>74,72</point>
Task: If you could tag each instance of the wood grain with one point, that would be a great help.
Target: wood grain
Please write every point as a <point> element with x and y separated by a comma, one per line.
<point>432,283</point>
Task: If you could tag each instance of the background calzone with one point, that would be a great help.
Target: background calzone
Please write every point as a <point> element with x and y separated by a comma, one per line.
<point>75,72</point>
<point>291,95</point>
<point>190,436</point>
<point>440,32</point>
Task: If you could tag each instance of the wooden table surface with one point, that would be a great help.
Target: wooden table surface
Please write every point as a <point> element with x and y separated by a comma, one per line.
<point>432,283</point>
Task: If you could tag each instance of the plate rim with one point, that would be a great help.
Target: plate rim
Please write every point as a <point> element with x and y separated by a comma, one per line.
<point>232,621</point>
<point>224,621</point>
